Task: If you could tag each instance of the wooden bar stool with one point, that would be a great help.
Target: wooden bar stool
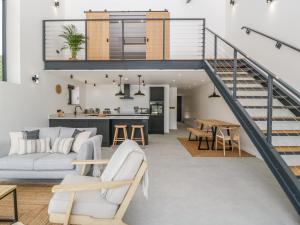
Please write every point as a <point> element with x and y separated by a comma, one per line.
<point>116,136</point>
<point>142,138</point>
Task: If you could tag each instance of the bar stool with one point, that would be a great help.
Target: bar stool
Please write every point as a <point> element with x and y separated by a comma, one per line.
<point>116,136</point>
<point>142,138</point>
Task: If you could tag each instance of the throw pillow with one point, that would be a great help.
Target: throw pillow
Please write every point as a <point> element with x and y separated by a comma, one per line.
<point>27,146</point>
<point>76,132</point>
<point>80,139</point>
<point>43,145</point>
<point>32,135</point>
<point>62,145</point>
<point>14,142</point>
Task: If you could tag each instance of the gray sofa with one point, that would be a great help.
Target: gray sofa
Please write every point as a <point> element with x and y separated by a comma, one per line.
<point>48,165</point>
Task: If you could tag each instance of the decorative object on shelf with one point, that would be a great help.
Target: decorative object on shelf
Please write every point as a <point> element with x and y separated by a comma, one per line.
<point>60,113</point>
<point>139,93</point>
<point>73,40</point>
<point>35,78</point>
<point>120,93</point>
<point>58,89</point>
<point>214,94</point>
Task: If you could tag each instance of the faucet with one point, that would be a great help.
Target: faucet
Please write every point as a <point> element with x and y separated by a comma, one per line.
<point>75,111</point>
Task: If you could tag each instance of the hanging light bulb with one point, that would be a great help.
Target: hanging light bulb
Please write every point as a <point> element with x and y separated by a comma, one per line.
<point>120,93</point>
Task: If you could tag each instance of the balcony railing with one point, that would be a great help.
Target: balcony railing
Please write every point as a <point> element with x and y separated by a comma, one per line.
<point>127,39</point>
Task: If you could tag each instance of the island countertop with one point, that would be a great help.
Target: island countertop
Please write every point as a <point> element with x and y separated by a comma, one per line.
<point>122,116</point>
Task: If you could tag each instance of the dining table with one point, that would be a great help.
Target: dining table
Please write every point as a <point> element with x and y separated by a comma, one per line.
<point>214,125</point>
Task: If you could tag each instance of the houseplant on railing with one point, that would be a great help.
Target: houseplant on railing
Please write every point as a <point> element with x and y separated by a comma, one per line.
<point>73,40</point>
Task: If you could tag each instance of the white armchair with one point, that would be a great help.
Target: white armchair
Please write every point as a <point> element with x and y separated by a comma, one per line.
<point>101,201</point>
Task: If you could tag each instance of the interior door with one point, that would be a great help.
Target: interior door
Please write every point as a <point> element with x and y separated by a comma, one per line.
<point>98,36</point>
<point>155,36</point>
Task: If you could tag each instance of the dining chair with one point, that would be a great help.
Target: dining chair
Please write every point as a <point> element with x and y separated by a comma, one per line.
<point>231,135</point>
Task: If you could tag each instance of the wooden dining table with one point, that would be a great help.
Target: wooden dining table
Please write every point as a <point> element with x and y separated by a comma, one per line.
<point>214,125</point>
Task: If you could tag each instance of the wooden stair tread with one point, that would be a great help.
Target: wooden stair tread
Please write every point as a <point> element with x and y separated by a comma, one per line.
<point>284,131</point>
<point>295,170</point>
<point>277,118</point>
<point>288,148</point>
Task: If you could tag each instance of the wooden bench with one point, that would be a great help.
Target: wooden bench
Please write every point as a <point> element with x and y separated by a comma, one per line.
<point>200,134</point>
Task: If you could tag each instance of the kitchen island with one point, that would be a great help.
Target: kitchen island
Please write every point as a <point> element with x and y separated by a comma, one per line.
<point>104,125</point>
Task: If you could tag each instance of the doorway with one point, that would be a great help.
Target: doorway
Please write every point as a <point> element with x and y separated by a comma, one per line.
<point>179,108</point>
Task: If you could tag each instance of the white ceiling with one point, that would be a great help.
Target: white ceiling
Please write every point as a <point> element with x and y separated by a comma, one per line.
<point>175,78</point>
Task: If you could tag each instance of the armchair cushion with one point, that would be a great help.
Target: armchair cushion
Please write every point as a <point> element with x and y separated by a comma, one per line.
<point>123,165</point>
<point>87,203</point>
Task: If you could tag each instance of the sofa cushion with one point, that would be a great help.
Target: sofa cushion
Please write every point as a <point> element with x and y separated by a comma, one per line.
<point>123,165</point>
<point>87,203</point>
<point>45,132</point>
<point>20,162</point>
<point>55,161</point>
<point>66,132</point>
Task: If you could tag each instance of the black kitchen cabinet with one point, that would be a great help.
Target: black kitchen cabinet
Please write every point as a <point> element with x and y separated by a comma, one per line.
<point>157,94</point>
<point>156,125</point>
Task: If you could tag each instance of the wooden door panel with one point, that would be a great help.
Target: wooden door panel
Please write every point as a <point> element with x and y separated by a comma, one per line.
<point>98,36</point>
<point>155,36</point>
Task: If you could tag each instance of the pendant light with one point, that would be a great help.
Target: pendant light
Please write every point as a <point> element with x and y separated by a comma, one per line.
<point>214,94</point>
<point>120,93</point>
<point>139,93</point>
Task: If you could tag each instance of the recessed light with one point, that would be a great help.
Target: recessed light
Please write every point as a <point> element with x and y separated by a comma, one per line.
<point>174,80</point>
<point>126,78</point>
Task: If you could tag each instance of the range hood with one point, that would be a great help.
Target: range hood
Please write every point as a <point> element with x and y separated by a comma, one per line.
<point>127,92</point>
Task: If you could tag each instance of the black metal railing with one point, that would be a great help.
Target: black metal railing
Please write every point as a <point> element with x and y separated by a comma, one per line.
<point>128,39</point>
<point>279,43</point>
<point>237,66</point>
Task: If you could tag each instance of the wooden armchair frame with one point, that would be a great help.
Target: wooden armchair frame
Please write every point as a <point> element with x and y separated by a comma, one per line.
<point>232,135</point>
<point>68,218</point>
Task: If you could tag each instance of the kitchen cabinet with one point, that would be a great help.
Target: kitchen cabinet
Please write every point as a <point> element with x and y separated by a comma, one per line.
<point>157,94</point>
<point>156,125</point>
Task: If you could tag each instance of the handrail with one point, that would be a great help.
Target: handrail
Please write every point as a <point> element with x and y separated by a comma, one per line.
<point>272,38</point>
<point>126,19</point>
<point>275,77</point>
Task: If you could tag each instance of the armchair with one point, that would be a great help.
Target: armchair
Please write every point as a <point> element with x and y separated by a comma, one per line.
<point>100,201</point>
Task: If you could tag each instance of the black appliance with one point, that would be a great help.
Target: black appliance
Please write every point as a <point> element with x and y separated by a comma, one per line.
<point>157,105</point>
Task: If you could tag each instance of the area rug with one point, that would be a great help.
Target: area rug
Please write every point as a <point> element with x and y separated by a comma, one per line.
<point>32,205</point>
<point>192,148</point>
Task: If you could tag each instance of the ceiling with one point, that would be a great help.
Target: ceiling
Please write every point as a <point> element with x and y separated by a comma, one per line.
<point>175,78</point>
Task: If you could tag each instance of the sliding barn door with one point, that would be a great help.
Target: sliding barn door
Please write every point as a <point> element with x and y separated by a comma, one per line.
<point>156,37</point>
<point>98,36</point>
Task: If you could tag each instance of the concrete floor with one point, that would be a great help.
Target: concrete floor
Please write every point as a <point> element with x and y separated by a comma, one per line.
<point>208,191</point>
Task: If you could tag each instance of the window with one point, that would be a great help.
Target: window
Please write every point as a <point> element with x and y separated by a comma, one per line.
<point>3,40</point>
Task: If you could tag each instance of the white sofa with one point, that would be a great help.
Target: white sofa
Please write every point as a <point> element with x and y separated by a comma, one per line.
<point>48,165</point>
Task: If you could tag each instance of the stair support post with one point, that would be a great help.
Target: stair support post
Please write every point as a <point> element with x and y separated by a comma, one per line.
<point>270,109</point>
<point>234,74</point>
<point>215,53</point>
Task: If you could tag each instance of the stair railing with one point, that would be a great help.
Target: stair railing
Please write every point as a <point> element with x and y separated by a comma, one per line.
<point>272,83</point>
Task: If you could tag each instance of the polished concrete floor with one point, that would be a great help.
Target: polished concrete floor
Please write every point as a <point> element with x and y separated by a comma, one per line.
<point>208,191</point>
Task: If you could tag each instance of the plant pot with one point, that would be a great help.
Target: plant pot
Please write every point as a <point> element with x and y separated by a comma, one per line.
<point>73,55</point>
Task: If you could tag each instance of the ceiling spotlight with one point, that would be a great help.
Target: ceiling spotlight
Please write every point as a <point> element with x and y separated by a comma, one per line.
<point>114,82</point>
<point>71,76</point>
<point>85,81</point>
<point>232,2</point>
<point>94,85</point>
<point>248,31</point>
<point>278,45</point>
<point>56,4</point>
<point>106,75</point>
<point>35,79</point>
<point>269,1</point>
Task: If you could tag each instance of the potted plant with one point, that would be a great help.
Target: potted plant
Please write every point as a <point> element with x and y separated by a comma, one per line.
<point>73,40</point>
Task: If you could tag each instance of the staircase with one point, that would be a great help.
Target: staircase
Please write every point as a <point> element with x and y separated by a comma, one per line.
<point>266,107</point>
<point>252,93</point>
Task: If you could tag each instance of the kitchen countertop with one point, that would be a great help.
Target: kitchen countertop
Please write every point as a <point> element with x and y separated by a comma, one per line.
<point>95,117</point>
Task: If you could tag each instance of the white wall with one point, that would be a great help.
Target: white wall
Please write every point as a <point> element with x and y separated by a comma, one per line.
<point>29,104</point>
<point>200,106</point>
<point>212,10</point>
<point>173,108</point>
<point>278,19</point>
